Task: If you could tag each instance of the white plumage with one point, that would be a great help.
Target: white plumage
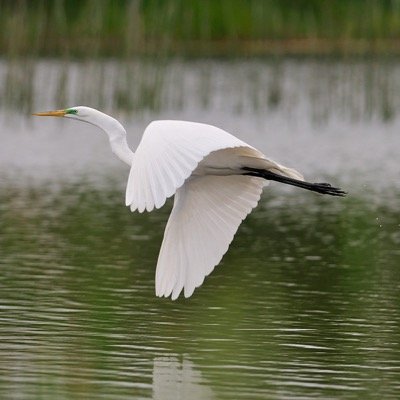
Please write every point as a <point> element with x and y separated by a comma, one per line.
<point>206,215</point>
<point>201,165</point>
<point>217,180</point>
<point>167,155</point>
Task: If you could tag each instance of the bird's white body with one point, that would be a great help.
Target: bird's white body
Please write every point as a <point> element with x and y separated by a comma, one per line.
<point>201,164</point>
<point>205,168</point>
<point>172,151</point>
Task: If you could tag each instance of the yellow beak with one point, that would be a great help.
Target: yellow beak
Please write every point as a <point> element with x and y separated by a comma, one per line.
<point>56,113</point>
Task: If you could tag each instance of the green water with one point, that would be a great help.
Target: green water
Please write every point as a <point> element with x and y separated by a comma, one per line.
<point>305,304</point>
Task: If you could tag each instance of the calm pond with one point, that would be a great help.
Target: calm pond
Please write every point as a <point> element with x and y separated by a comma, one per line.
<point>306,302</point>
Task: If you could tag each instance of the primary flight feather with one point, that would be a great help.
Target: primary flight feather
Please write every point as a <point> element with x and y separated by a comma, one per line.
<point>217,179</point>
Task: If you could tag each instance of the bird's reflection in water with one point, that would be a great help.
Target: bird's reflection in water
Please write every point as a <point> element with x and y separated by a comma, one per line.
<point>176,378</point>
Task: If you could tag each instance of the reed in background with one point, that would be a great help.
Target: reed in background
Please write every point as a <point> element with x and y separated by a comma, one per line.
<point>126,28</point>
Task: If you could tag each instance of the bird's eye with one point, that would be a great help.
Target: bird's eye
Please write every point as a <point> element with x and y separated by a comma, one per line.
<point>72,111</point>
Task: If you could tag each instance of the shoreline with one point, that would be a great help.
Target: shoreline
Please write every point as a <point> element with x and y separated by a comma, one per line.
<point>312,47</point>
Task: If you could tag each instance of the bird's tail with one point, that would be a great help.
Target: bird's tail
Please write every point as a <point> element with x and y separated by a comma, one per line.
<point>323,188</point>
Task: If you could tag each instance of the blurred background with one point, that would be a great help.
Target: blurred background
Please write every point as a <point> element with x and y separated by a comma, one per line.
<point>148,38</point>
<point>305,304</point>
<point>129,28</point>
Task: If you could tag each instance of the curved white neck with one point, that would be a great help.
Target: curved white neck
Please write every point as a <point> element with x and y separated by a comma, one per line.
<point>117,137</point>
<point>120,148</point>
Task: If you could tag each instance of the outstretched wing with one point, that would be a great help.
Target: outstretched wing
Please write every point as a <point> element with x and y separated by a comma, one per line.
<point>166,156</point>
<point>206,215</point>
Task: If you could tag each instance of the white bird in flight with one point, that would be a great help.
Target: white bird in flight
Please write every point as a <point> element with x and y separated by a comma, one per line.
<point>217,179</point>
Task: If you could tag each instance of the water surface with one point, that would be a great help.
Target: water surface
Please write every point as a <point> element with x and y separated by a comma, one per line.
<point>304,305</point>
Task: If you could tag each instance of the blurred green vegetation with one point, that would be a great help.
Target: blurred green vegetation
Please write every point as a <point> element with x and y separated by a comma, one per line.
<point>125,28</point>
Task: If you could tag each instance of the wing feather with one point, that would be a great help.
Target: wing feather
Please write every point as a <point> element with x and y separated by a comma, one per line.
<point>206,215</point>
<point>167,155</point>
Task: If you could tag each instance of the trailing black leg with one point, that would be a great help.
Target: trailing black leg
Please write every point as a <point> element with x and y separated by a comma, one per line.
<point>323,188</point>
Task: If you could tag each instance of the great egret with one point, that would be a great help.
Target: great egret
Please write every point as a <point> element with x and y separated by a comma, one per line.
<point>217,180</point>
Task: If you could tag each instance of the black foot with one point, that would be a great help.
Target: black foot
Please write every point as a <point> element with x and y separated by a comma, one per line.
<point>326,188</point>
<point>323,188</point>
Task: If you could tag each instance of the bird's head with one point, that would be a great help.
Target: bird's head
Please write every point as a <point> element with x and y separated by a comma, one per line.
<point>81,113</point>
<point>108,124</point>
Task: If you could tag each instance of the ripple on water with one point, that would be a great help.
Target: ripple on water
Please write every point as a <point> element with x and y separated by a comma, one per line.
<point>304,305</point>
